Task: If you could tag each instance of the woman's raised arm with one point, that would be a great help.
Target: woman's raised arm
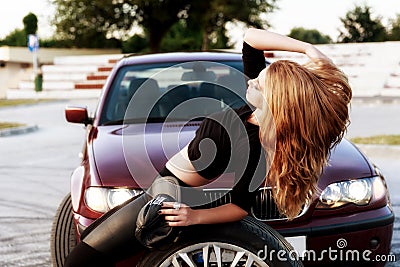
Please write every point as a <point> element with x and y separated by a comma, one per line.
<point>266,40</point>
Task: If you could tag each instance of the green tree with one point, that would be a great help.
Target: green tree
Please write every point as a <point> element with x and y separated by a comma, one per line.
<point>19,37</point>
<point>15,38</point>
<point>360,27</point>
<point>311,36</point>
<point>394,29</point>
<point>191,38</point>
<point>92,22</point>
<point>181,38</point>
<point>30,23</point>
<point>157,17</point>
<point>135,44</point>
<point>210,17</point>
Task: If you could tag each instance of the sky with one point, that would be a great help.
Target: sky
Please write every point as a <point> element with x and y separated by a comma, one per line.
<point>323,15</point>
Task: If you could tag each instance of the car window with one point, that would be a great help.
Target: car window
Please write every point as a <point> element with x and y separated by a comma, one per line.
<point>173,91</point>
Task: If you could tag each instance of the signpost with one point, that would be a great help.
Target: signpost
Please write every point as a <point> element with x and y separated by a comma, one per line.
<point>33,45</point>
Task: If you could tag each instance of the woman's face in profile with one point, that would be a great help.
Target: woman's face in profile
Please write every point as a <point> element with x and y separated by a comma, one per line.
<point>255,90</point>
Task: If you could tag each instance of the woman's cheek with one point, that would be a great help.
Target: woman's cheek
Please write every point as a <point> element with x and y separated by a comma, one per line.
<point>255,98</point>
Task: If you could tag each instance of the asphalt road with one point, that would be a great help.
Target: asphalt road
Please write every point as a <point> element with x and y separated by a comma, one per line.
<point>35,169</point>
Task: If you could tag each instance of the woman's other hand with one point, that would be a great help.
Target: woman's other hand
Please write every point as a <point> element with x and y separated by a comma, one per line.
<point>179,214</point>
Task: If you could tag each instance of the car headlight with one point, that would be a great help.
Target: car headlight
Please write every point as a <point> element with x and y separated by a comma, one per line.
<point>357,191</point>
<point>103,199</point>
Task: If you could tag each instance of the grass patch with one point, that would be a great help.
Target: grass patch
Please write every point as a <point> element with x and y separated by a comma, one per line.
<point>6,125</point>
<point>378,140</point>
<point>16,102</point>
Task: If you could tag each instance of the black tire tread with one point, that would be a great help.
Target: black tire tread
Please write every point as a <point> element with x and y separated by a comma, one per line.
<point>249,225</point>
<point>270,235</point>
<point>63,237</point>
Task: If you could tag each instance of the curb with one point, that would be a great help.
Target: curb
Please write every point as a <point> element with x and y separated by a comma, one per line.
<point>376,100</point>
<point>380,150</point>
<point>18,130</point>
<point>53,94</point>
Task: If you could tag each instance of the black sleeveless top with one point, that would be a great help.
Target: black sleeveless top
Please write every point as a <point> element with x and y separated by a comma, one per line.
<point>226,143</point>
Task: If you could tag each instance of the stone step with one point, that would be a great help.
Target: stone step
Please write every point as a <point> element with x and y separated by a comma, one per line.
<point>69,69</point>
<point>392,82</point>
<point>105,68</point>
<point>76,68</point>
<point>47,85</point>
<point>98,76</point>
<point>26,85</point>
<point>52,94</point>
<point>88,60</point>
<point>76,77</point>
<point>88,85</point>
<point>113,61</point>
<point>58,85</point>
<point>84,86</point>
<point>64,76</point>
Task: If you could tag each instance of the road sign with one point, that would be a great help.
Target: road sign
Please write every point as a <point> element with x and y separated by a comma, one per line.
<point>33,42</point>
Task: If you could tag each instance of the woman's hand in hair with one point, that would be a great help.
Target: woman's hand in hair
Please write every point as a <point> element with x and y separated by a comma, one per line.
<point>314,53</point>
<point>267,41</point>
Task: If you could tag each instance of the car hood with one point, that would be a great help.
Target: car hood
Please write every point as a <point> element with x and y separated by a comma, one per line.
<point>131,155</point>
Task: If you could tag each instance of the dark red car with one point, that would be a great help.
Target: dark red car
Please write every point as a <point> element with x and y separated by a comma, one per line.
<point>149,109</point>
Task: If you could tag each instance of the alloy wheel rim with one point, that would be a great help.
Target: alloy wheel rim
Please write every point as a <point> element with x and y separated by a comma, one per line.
<point>213,254</point>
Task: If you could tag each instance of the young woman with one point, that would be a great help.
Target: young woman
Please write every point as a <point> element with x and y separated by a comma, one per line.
<point>299,113</point>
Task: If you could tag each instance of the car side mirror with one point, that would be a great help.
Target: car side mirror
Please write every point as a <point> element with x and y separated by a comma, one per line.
<point>77,115</point>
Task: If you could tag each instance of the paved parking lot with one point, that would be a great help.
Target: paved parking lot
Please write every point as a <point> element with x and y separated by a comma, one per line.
<point>35,169</point>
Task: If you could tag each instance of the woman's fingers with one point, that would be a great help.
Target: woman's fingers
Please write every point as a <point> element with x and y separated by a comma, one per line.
<point>169,212</point>
<point>173,208</point>
<point>174,205</point>
<point>176,215</point>
<point>172,218</point>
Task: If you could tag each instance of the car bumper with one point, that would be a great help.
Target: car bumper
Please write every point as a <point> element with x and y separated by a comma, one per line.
<point>354,242</point>
<point>362,237</point>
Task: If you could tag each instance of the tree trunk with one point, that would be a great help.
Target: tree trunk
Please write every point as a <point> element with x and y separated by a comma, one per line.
<point>155,38</point>
<point>204,45</point>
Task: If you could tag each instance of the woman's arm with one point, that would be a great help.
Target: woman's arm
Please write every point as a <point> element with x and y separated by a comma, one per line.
<point>181,166</point>
<point>186,216</point>
<point>266,40</point>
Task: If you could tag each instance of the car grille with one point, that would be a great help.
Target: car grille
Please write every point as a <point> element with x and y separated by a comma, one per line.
<point>263,207</point>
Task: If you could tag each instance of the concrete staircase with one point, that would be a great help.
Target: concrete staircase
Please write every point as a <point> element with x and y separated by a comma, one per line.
<point>373,68</point>
<point>71,74</point>
<point>393,80</point>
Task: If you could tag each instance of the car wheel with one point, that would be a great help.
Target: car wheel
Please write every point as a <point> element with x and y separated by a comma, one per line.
<point>63,236</point>
<point>245,243</point>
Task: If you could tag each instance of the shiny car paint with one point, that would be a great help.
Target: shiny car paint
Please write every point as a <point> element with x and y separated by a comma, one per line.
<point>104,165</point>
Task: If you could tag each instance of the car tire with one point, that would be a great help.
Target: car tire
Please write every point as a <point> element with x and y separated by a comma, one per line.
<point>63,236</point>
<point>248,241</point>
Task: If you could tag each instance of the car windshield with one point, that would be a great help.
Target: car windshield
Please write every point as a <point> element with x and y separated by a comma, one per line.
<point>173,92</point>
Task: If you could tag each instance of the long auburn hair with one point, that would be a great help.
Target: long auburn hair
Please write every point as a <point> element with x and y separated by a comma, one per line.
<point>309,106</point>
